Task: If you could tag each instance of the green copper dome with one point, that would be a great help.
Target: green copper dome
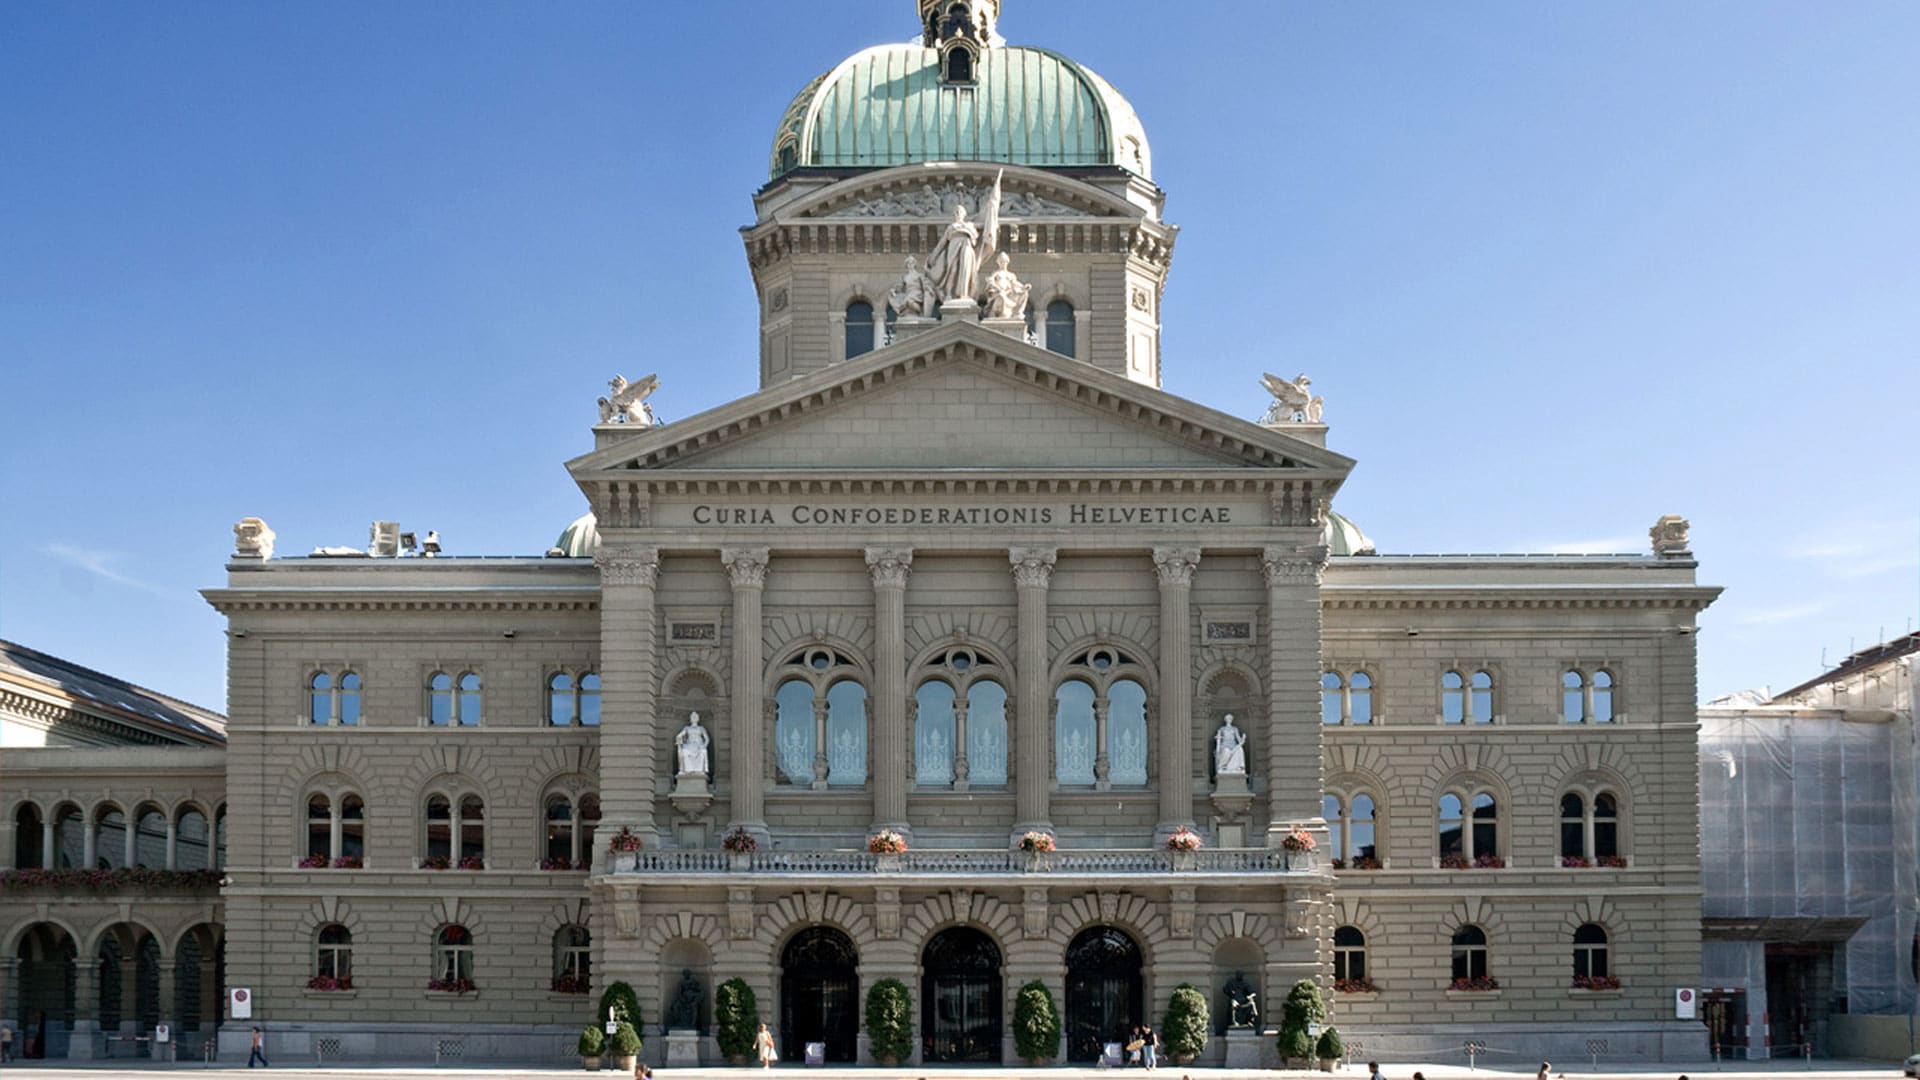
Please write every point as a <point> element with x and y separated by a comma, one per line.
<point>890,105</point>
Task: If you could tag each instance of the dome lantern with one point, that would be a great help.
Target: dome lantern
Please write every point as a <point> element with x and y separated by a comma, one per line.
<point>947,22</point>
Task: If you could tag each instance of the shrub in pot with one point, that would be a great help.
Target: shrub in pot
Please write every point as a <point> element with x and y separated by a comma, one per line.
<point>625,1045</point>
<point>1296,1046</point>
<point>590,1045</point>
<point>1330,1049</point>
<point>619,997</point>
<point>890,1021</point>
<point>1185,1029</point>
<point>1036,1024</point>
<point>736,1020</point>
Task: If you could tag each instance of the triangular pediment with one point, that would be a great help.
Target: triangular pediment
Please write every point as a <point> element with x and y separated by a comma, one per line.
<point>929,192</point>
<point>961,398</point>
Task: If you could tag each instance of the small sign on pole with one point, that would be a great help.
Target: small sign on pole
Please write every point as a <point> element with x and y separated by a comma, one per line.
<point>240,1003</point>
<point>161,1033</point>
<point>1684,1004</point>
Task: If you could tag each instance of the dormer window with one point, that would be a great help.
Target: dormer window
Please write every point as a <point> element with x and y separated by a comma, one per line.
<point>957,65</point>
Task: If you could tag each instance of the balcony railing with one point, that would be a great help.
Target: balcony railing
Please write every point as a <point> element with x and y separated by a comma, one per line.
<point>964,861</point>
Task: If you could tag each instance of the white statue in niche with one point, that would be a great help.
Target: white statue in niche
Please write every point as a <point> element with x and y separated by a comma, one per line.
<point>692,743</point>
<point>1006,294</point>
<point>628,405</point>
<point>916,294</point>
<point>1229,750</point>
<point>1292,401</point>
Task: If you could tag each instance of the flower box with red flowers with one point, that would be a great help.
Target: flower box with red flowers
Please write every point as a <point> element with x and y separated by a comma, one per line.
<point>556,862</point>
<point>329,984</point>
<point>1037,842</point>
<point>348,862</point>
<point>569,984</point>
<point>1297,840</point>
<point>138,877</point>
<point>887,842</point>
<point>314,862</point>
<point>1358,862</point>
<point>1361,985</point>
<point>1476,985</point>
<point>1613,862</point>
<point>624,842</point>
<point>1596,982</point>
<point>436,862</point>
<point>1575,862</point>
<point>1184,839</point>
<point>450,986</point>
<point>472,862</point>
<point>739,842</point>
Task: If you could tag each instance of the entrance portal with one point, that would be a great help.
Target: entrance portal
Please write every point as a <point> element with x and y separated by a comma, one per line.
<point>819,995</point>
<point>960,997</point>
<point>1103,991</point>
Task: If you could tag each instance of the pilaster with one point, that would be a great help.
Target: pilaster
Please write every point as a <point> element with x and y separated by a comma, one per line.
<point>1294,759</point>
<point>747,571</point>
<point>1032,573</point>
<point>1174,567</point>
<point>628,655</point>
<point>86,1007</point>
<point>889,568</point>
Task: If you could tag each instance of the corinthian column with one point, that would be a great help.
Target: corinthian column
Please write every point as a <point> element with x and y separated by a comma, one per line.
<point>1032,573</point>
<point>1175,566</point>
<point>627,657</point>
<point>747,569</point>
<point>889,568</point>
<point>1292,738</point>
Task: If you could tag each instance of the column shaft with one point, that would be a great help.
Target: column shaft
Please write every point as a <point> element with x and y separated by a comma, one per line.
<point>1294,765</point>
<point>628,727</point>
<point>173,842</point>
<point>747,569</point>
<point>1175,567</point>
<point>1032,573</point>
<point>889,568</point>
<point>49,858</point>
<point>86,1007</point>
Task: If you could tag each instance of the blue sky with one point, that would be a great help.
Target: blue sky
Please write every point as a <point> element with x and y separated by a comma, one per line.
<point>1558,269</point>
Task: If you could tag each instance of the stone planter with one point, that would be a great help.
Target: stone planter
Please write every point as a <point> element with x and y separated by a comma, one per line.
<point>1035,862</point>
<point>624,1064</point>
<point>1327,1064</point>
<point>624,862</point>
<point>1185,860</point>
<point>1299,860</point>
<point>740,861</point>
<point>591,1064</point>
<point>890,864</point>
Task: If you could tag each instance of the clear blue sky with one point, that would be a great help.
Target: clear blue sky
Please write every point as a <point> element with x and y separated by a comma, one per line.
<point>1557,268</point>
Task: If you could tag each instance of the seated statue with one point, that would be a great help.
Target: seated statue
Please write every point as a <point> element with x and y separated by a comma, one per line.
<point>915,295</point>
<point>1229,750</point>
<point>1006,294</point>
<point>692,744</point>
<point>683,1014</point>
<point>1243,1011</point>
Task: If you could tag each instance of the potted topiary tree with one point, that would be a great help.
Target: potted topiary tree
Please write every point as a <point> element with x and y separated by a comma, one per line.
<point>1185,1030</point>
<point>736,1019</point>
<point>1330,1049</point>
<point>890,1022</point>
<point>619,1002</point>
<point>1036,1025</point>
<point>1302,1008</point>
<point>625,1046</point>
<point>591,1041</point>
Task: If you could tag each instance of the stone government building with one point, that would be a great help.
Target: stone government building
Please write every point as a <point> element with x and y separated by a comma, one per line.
<point>961,570</point>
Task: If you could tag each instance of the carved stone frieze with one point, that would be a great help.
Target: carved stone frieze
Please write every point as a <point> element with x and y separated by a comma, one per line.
<point>889,567</point>
<point>1181,911</point>
<point>745,566</point>
<point>1175,565</point>
<point>886,912</point>
<point>1299,914</point>
<point>1033,913</point>
<point>938,200</point>
<point>626,911</point>
<point>739,913</point>
<point>1109,905</point>
<point>1032,567</point>
<point>628,566</point>
<point>963,906</point>
<point>1293,565</point>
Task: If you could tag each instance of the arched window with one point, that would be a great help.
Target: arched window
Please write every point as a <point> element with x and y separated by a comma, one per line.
<point>1606,827</point>
<point>27,830</point>
<point>333,959</point>
<point>859,328</point>
<point>1350,831</point>
<point>1586,698</point>
<point>570,826</point>
<point>220,837</point>
<point>1100,721</point>
<point>69,838</point>
<point>959,65</point>
<point>820,721</point>
<point>589,711</point>
<point>191,842</point>
<point>110,838</point>
<point>353,832</point>
<point>1466,698</point>
<point>333,700</point>
<point>789,156</point>
<point>319,830</point>
<point>572,960</point>
<point>1346,699</point>
<point>1060,328</point>
<point>1350,961</point>
<point>573,701</point>
<point>1590,829</point>
<point>150,838</point>
<point>1573,830</point>
<point>560,700</point>
<point>1469,830</point>
<point>453,702</point>
<point>440,699</point>
<point>336,831</point>
<point>455,840</point>
<point>1470,959</point>
<point>960,722</point>
<point>467,710</point>
<point>1590,970</point>
<point>452,960</point>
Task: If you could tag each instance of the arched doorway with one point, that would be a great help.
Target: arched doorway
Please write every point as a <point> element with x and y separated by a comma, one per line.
<point>819,994</point>
<point>960,997</point>
<point>1104,992</point>
<point>46,954</point>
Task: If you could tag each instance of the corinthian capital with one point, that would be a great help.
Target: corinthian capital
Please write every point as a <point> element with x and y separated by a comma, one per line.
<point>1293,565</point>
<point>1032,567</point>
<point>889,566</point>
<point>628,565</point>
<point>745,566</point>
<point>1176,565</point>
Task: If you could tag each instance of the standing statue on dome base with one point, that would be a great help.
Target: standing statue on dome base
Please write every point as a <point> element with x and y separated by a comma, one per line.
<point>954,265</point>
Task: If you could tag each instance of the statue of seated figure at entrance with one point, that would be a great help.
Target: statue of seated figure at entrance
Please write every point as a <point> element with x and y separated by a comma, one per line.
<point>1243,1010</point>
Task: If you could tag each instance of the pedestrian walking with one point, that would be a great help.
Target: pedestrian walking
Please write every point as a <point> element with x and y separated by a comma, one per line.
<point>763,1046</point>
<point>1150,1051</point>
<point>6,1042</point>
<point>1545,1067</point>
<point>1373,1071</point>
<point>1134,1045</point>
<point>259,1051</point>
